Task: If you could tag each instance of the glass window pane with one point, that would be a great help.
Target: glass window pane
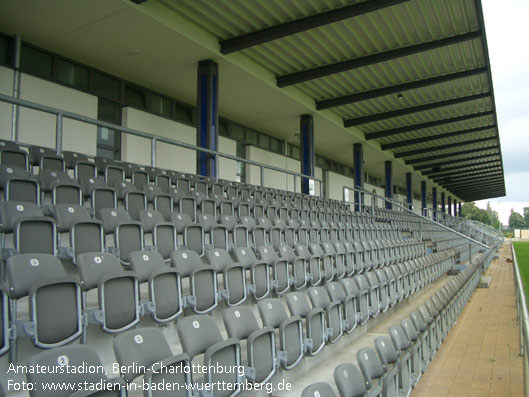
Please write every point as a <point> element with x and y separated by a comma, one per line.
<point>4,50</point>
<point>35,62</point>
<point>135,97</point>
<point>275,145</point>
<point>264,141</point>
<point>110,154</point>
<point>182,114</point>
<point>105,86</point>
<point>223,129</point>
<point>68,73</point>
<point>161,105</point>
<point>105,136</point>
<point>236,131</point>
<point>251,137</point>
<point>296,153</point>
<point>108,111</point>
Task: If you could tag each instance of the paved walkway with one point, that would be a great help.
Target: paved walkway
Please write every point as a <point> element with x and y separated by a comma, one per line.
<point>480,356</point>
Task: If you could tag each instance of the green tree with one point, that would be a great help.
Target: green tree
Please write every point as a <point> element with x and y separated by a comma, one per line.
<point>526,216</point>
<point>516,220</point>
<point>494,219</point>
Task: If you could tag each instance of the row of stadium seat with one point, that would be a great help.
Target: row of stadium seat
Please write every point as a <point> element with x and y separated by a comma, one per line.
<point>399,359</point>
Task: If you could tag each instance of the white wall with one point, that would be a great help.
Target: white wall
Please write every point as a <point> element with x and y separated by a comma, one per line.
<point>335,183</point>
<point>227,167</point>
<point>368,198</point>
<point>38,128</point>
<point>6,88</point>
<point>276,179</point>
<point>138,150</point>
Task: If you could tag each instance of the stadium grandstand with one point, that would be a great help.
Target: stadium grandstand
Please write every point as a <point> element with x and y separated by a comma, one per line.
<point>208,198</point>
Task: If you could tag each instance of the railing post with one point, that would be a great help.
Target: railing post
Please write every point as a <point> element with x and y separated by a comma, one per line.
<point>262,176</point>
<point>58,134</point>
<point>16,89</point>
<point>153,152</point>
<point>295,184</point>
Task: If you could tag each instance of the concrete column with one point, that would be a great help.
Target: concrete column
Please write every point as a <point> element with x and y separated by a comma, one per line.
<point>208,117</point>
<point>306,130</point>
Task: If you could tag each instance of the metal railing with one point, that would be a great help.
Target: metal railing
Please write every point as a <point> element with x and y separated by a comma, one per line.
<point>523,319</point>
<point>400,207</point>
<point>62,114</point>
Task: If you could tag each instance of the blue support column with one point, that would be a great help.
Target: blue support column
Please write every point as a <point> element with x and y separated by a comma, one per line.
<point>358,163</point>
<point>443,210</point>
<point>459,208</point>
<point>455,207</point>
<point>208,117</point>
<point>409,190</point>
<point>449,205</point>
<point>388,168</point>
<point>423,198</point>
<point>434,203</point>
<point>306,129</point>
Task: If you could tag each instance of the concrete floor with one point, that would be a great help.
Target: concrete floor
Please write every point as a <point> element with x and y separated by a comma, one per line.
<point>480,356</point>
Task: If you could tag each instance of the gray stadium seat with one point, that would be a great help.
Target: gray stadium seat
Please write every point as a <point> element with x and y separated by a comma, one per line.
<point>202,280</point>
<point>299,305</point>
<point>402,346</point>
<point>118,291</point>
<point>76,357</point>
<point>349,381</point>
<point>200,335</point>
<point>390,362</point>
<point>372,370</point>
<point>240,323</point>
<point>320,389</point>
<point>333,312</point>
<point>274,315</point>
<point>233,275</point>
<point>54,299</point>
<point>146,352</point>
<point>165,287</point>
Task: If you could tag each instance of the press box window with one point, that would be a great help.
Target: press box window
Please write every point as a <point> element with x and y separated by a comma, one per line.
<point>109,140</point>
<point>72,75</point>
<point>135,97</point>
<point>160,105</point>
<point>251,137</point>
<point>36,62</point>
<point>4,50</point>
<point>105,86</point>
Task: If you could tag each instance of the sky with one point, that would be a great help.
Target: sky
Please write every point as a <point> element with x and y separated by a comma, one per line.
<point>506,26</point>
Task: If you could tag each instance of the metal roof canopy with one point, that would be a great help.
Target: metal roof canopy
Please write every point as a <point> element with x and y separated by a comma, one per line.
<point>408,68</point>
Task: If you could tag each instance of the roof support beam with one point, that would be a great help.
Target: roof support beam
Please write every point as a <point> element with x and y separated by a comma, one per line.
<point>415,109</point>
<point>327,70</point>
<point>458,167</point>
<point>300,25</point>
<point>443,147</point>
<point>477,174</point>
<point>430,124</point>
<point>378,92</point>
<point>481,189</point>
<point>489,184</point>
<point>450,162</point>
<point>434,137</point>
<point>445,155</point>
<point>489,180</point>
<point>481,176</point>
<point>481,193</point>
<point>465,172</point>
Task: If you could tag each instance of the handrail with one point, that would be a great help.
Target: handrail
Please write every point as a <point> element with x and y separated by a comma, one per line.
<point>360,190</point>
<point>523,319</point>
<point>61,114</point>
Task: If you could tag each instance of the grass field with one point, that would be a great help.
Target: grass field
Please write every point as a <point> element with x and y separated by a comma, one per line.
<point>522,255</point>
